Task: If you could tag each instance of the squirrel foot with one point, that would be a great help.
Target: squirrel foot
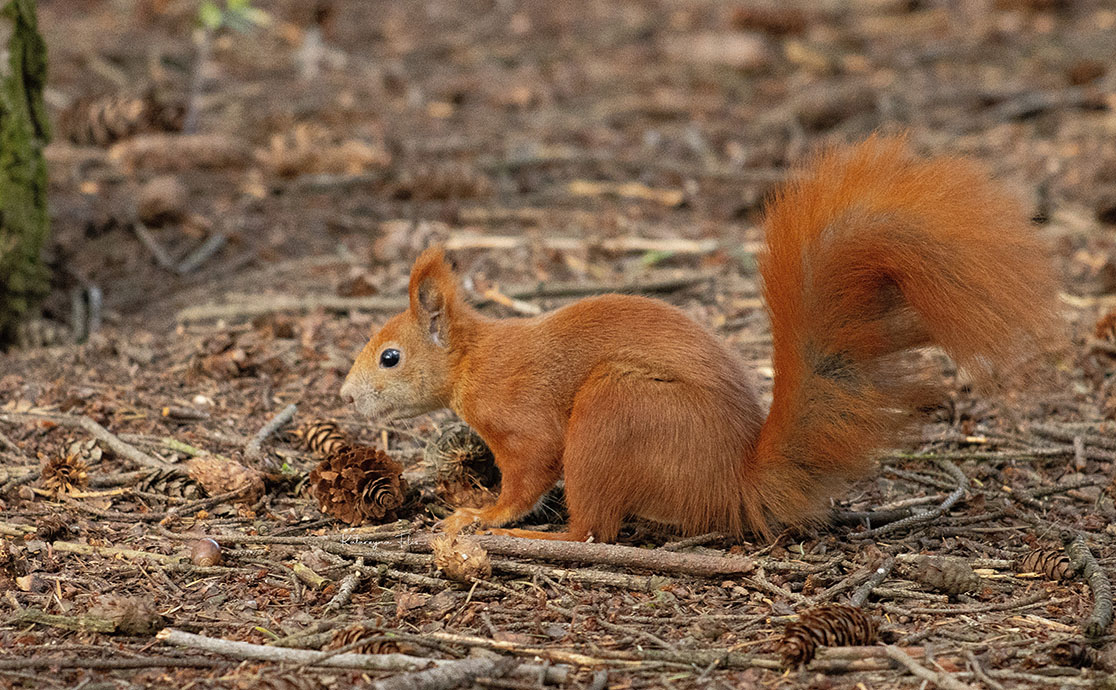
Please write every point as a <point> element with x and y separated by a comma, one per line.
<point>461,518</point>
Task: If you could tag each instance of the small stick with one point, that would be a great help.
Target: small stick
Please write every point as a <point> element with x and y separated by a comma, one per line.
<point>923,518</point>
<point>96,308</point>
<point>259,652</point>
<point>450,675</point>
<point>287,655</point>
<point>200,255</point>
<point>942,680</point>
<point>608,554</point>
<point>310,578</point>
<point>162,258</point>
<point>346,589</point>
<point>248,306</point>
<point>672,245</point>
<point>862,593</point>
<point>91,550</point>
<point>97,431</point>
<point>71,661</point>
<point>1083,560</point>
<point>253,449</point>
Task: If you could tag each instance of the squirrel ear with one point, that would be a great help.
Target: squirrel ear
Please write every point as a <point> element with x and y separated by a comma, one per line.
<point>433,292</point>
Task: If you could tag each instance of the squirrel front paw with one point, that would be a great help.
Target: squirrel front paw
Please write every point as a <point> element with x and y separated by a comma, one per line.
<point>461,518</point>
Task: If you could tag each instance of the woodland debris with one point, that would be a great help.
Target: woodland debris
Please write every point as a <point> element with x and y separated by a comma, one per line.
<point>607,554</point>
<point>311,149</point>
<point>372,662</point>
<point>451,675</point>
<point>1074,654</point>
<point>322,437</point>
<point>359,639</point>
<point>444,180</point>
<point>951,575</point>
<point>358,484</point>
<point>245,306</point>
<point>254,448</point>
<point>1100,619</point>
<point>465,467</point>
<point>1053,564</point>
<point>129,615</point>
<point>774,20</point>
<point>627,190</point>
<point>938,678</point>
<point>832,625</point>
<point>171,152</point>
<point>110,440</point>
<point>744,51</point>
<point>460,558</point>
<point>65,473</point>
<point>103,120</point>
<point>161,200</point>
<point>205,552</point>
<point>223,475</point>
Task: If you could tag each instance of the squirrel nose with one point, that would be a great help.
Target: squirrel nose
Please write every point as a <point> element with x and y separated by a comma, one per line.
<point>348,394</point>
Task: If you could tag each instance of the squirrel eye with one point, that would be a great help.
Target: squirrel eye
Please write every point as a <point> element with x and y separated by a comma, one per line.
<point>389,358</point>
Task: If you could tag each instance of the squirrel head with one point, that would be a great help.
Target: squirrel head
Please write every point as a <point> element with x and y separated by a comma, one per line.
<point>404,370</point>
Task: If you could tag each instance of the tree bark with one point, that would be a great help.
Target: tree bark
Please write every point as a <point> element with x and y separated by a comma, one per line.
<point>24,130</point>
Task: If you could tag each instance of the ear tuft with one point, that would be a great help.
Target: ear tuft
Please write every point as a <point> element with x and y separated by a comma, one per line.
<point>433,294</point>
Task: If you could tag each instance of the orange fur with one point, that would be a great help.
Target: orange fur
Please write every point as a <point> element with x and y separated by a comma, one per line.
<point>872,253</point>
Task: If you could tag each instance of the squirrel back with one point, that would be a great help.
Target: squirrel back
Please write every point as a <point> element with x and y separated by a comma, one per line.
<point>871,254</point>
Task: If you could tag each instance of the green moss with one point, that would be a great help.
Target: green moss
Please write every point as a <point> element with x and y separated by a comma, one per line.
<point>24,130</point>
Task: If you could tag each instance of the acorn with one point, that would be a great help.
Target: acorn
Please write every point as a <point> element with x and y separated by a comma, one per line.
<point>205,552</point>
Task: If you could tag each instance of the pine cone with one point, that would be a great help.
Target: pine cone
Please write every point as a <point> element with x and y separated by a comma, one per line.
<point>466,470</point>
<point>322,437</point>
<point>65,474</point>
<point>53,527</point>
<point>460,558</point>
<point>1073,654</point>
<point>1052,563</point>
<point>834,625</point>
<point>222,475</point>
<point>450,180</point>
<point>102,120</point>
<point>951,575</point>
<point>346,636</point>
<point>358,484</point>
<point>129,615</point>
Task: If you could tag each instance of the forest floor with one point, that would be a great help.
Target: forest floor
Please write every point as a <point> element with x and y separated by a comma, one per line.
<point>560,148</point>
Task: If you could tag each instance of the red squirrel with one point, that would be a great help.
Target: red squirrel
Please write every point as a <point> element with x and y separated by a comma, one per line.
<point>870,254</point>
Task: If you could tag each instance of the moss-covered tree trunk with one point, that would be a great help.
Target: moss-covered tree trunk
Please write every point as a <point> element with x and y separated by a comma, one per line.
<point>24,131</point>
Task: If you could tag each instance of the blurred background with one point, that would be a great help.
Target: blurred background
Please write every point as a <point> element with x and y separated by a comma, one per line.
<point>361,131</point>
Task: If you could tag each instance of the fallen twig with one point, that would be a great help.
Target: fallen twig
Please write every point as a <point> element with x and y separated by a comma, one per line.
<point>110,551</point>
<point>962,485</point>
<point>941,679</point>
<point>865,590</point>
<point>607,554</point>
<point>346,588</point>
<point>72,661</point>
<point>449,675</point>
<point>1083,560</point>
<point>162,258</point>
<point>244,306</point>
<point>200,255</point>
<point>287,655</point>
<point>97,431</point>
<point>253,449</point>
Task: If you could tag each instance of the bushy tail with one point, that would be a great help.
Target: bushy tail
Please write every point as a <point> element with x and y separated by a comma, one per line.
<point>871,253</point>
